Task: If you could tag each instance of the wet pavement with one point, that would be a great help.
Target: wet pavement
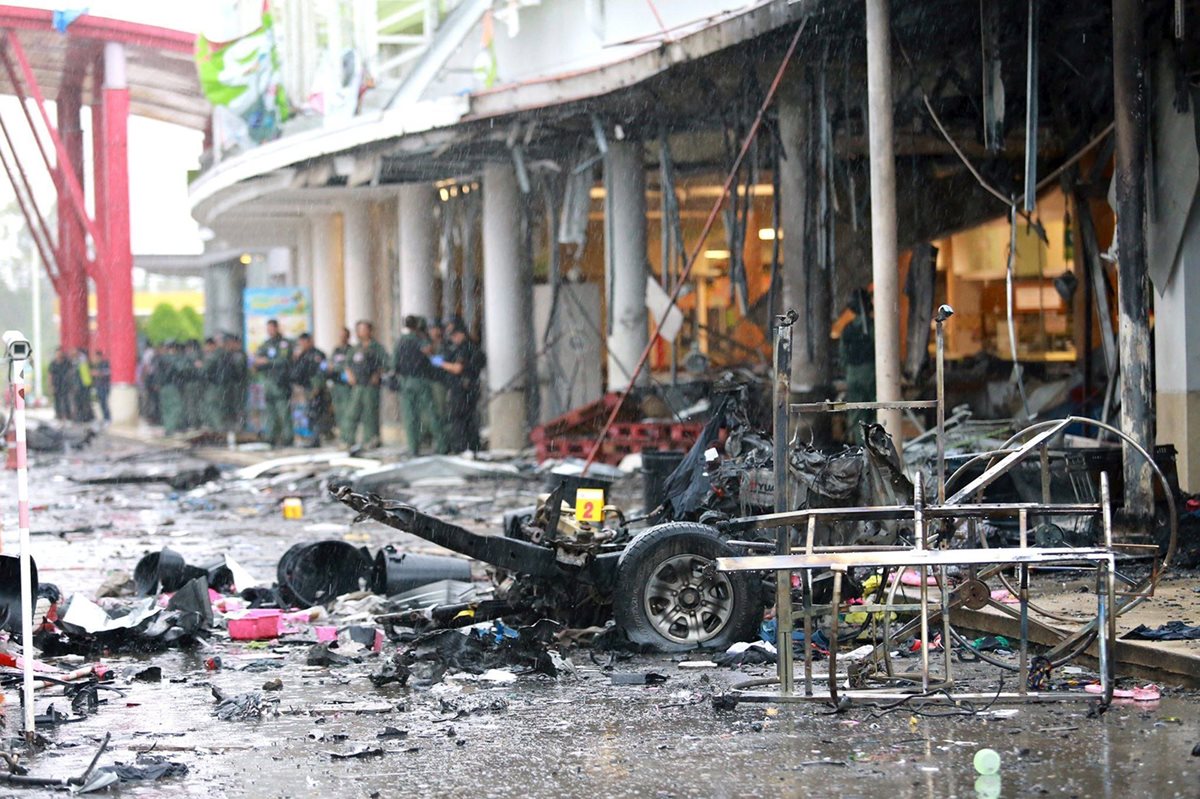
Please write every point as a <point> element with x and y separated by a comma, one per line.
<point>537,736</point>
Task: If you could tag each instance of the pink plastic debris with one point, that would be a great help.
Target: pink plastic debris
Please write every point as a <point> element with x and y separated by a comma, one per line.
<point>255,625</point>
<point>1147,693</point>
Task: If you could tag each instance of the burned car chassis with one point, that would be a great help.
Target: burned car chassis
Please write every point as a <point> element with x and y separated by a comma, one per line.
<point>660,584</point>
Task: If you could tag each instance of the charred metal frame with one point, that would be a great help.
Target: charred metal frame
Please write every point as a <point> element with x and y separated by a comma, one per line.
<point>808,558</point>
<point>510,554</point>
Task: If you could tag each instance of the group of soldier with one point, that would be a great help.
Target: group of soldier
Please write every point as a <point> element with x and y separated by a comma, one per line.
<point>75,380</point>
<point>198,386</point>
<point>308,397</point>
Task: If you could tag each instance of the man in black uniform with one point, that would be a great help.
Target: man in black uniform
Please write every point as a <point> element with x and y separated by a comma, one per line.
<point>463,362</point>
<point>308,376</point>
<point>235,379</point>
<point>102,382</point>
<point>416,376</point>
<point>60,383</point>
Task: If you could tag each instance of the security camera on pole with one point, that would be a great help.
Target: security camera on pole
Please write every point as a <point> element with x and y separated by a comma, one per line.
<point>17,350</point>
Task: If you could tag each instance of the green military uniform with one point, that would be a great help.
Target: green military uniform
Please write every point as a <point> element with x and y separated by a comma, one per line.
<point>277,386</point>
<point>857,351</point>
<point>234,382</point>
<point>339,389</point>
<point>366,362</point>
<point>192,387</point>
<point>417,404</point>
<point>212,369</point>
<point>438,385</point>
<point>308,374</point>
<point>169,374</point>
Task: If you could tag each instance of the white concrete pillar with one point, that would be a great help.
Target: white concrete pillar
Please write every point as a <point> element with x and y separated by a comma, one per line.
<point>805,284</point>
<point>884,266</point>
<point>1177,357</point>
<point>507,308</point>
<point>279,267</point>
<point>357,262</point>
<point>302,257</point>
<point>418,249</point>
<point>328,291</point>
<point>223,284</point>
<point>625,264</point>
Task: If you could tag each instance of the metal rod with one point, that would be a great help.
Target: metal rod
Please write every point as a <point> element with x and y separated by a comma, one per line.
<point>946,664</point>
<point>1102,629</point>
<point>833,636</point>
<point>923,573</point>
<point>941,409</point>
<point>1031,108</point>
<point>783,545</point>
<point>806,576</point>
<point>1009,269</point>
<point>1024,668</point>
<point>16,376</point>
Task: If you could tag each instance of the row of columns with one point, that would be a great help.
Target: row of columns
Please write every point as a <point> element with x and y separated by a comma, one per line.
<point>342,264</point>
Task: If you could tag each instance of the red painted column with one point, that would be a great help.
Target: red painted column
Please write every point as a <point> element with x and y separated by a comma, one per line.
<point>72,244</point>
<point>100,204</point>
<point>112,206</point>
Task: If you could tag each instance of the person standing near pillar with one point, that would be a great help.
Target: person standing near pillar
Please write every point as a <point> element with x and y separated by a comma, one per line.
<point>464,362</point>
<point>149,385</point>
<point>416,376</point>
<point>273,361</point>
<point>308,376</point>
<point>191,375</point>
<point>235,380</point>
<point>60,384</point>
<point>168,376</point>
<point>212,369</point>
<point>435,348</point>
<point>81,383</point>
<point>857,350</point>
<point>102,380</point>
<point>364,374</point>
<point>339,388</point>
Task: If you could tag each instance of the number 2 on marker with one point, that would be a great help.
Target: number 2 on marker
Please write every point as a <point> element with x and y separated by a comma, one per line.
<point>589,505</point>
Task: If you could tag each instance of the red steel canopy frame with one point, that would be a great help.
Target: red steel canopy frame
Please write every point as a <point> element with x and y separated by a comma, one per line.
<point>134,68</point>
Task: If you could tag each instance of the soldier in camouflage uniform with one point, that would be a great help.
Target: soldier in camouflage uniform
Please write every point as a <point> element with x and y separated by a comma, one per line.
<point>273,362</point>
<point>367,362</point>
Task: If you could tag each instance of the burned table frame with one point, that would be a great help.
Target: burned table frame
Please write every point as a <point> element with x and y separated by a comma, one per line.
<point>838,560</point>
<point>788,559</point>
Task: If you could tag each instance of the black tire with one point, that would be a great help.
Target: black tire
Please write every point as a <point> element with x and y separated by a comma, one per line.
<point>664,550</point>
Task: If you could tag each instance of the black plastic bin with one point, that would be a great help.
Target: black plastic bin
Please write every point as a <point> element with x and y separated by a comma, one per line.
<point>657,466</point>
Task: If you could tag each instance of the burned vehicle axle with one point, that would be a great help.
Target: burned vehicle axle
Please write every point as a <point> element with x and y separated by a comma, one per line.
<point>510,554</point>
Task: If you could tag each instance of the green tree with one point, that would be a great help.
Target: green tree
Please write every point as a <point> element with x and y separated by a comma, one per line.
<point>164,324</point>
<point>193,321</point>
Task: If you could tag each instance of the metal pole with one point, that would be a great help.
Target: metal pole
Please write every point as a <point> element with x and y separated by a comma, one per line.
<point>1133,298</point>
<point>35,278</point>
<point>883,215</point>
<point>943,313</point>
<point>16,376</point>
<point>783,579</point>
